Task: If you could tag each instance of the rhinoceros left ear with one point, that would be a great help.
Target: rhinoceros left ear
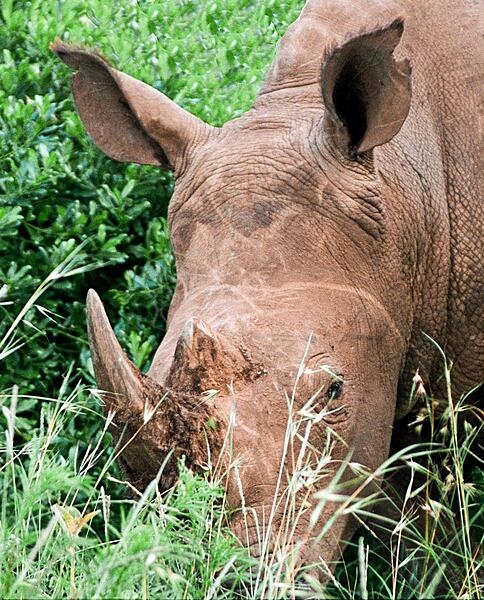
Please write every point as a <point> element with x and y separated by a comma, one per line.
<point>366,92</point>
<point>127,119</point>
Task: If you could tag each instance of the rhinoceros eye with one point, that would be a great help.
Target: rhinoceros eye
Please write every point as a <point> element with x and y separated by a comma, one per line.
<point>335,389</point>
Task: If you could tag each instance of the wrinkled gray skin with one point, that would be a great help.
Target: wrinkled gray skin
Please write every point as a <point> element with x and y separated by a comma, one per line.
<point>344,208</point>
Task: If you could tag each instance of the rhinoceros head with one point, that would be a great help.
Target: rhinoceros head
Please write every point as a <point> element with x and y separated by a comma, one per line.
<point>285,304</point>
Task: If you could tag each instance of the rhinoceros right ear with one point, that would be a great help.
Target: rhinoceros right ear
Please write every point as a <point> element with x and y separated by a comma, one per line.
<point>127,119</point>
<point>366,92</point>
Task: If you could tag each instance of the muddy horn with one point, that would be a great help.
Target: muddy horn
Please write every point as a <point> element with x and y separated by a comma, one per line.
<point>204,360</point>
<point>152,426</point>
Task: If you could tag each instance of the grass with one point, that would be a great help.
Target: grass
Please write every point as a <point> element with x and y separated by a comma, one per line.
<point>71,219</point>
<point>64,536</point>
<point>66,531</point>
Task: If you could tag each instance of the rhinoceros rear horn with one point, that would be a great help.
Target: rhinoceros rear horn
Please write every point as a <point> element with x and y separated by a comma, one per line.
<point>366,92</point>
<point>205,360</point>
<point>127,119</point>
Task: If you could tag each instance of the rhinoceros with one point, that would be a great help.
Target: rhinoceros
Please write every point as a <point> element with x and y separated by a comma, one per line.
<point>317,238</point>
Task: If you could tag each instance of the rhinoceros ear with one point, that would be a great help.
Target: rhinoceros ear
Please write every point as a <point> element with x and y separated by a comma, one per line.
<point>127,119</point>
<point>366,92</point>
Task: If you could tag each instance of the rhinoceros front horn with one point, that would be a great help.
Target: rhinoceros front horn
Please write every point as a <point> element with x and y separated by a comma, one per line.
<point>121,382</point>
<point>151,426</point>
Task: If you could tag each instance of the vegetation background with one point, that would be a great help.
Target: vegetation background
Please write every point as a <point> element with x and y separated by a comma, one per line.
<point>71,219</point>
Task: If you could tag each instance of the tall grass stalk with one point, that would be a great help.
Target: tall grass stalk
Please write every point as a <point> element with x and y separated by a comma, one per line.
<point>66,531</point>
<point>69,267</point>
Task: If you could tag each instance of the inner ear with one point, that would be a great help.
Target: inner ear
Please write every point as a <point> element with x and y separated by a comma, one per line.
<point>366,92</point>
<point>350,103</point>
